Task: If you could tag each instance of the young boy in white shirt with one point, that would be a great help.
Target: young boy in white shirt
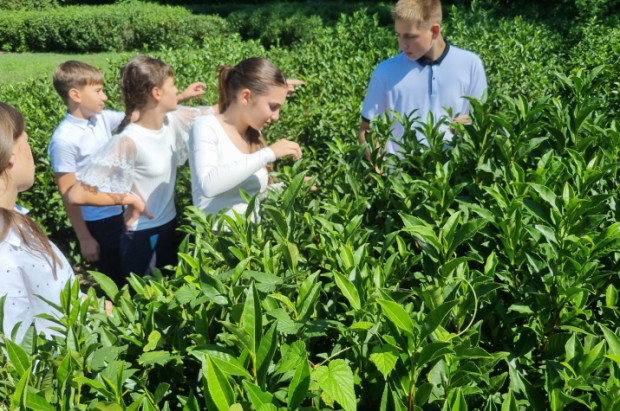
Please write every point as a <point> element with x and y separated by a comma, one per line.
<point>86,128</point>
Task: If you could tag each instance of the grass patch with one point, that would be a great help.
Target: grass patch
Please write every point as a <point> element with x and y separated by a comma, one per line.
<point>16,67</point>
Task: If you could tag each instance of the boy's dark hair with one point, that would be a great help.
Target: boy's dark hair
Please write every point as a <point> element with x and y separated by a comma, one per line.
<point>75,74</point>
<point>423,12</point>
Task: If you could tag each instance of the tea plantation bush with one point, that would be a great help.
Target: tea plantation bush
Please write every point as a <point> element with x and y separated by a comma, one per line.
<point>127,26</point>
<point>483,275</point>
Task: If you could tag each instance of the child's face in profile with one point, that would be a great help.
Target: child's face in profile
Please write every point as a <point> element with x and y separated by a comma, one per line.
<point>23,164</point>
<point>264,109</point>
<point>412,40</point>
<point>91,99</point>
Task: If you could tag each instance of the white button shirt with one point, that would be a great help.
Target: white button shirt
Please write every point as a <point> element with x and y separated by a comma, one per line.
<point>24,276</point>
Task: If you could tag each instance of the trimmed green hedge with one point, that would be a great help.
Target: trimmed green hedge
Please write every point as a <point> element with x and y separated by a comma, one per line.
<point>127,26</point>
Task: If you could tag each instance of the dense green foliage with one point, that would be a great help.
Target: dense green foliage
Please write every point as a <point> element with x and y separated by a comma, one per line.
<point>128,26</point>
<point>481,276</point>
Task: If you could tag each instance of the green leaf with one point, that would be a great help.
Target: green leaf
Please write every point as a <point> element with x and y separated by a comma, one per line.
<point>348,290</point>
<point>455,401</point>
<point>292,357</point>
<point>397,314</point>
<point>219,388</point>
<point>291,192</point>
<point>546,194</point>
<point>336,380</point>
<point>292,255</point>
<point>106,283</point>
<point>432,351</point>
<point>17,356</point>
<point>465,232</point>
<point>19,394</point>
<point>252,318</point>
<point>157,357</point>
<point>435,318</point>
<point>265,353</point>
<point>298,388</point>
<point>223,359</point>
<point>613,342</point>
<point>256,396</point>
<point>385,358</point>
<point>154,338</point>
<point>37,403</point>
<point>510,402</point>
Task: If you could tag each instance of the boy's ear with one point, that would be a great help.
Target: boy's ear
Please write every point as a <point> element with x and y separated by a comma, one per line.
<point>74,95</point>
<point>436,30</point>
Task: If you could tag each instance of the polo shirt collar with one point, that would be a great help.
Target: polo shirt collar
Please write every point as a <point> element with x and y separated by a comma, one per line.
<point>425,61</point>
<point>80,122</point>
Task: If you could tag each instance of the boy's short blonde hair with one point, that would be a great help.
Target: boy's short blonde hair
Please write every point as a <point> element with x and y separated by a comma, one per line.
<point>75,74</point>
<point>422,12</point>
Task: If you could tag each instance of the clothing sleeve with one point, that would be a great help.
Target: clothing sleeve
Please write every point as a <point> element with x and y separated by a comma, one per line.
<point>183,119</point>
<point>112,168</point>
<point>215,178</point>
<point>375,102</point>
<point>113,119</point>
<point>62,155</point>
<point>478,82</point>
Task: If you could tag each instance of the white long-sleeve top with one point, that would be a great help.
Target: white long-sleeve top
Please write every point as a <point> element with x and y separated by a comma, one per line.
<point>219,169</point>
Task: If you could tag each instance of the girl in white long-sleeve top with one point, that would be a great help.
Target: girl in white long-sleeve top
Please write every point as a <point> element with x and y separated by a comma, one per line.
<point>227,150</point>
<point>32,267</point>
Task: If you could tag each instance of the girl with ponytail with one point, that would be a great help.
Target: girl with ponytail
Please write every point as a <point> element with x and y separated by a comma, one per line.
<point>32,267</point>
<point>227,150</point>
<point>138,167</point>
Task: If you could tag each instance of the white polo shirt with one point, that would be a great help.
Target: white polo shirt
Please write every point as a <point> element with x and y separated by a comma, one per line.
<point>74,141</point>
<point>405,85</point>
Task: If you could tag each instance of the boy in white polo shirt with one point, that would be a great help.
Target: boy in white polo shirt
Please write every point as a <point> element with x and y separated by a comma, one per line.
<point>85,129</point>
<point>430,75</point>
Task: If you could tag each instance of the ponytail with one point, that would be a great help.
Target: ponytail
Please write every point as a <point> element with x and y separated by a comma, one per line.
<point>222,87</point>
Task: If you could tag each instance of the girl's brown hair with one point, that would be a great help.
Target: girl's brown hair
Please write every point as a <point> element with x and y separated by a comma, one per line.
<point>258,75</point>
<point>12,126</point>
<point>138,78</point>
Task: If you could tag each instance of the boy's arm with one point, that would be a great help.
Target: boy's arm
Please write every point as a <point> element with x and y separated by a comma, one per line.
<point>89,247</point>
<point>81,194</point>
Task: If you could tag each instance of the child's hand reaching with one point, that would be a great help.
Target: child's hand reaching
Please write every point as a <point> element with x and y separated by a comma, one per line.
<point>194,90</point>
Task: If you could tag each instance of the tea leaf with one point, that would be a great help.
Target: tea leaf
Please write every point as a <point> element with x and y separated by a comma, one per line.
<point>348,290</point>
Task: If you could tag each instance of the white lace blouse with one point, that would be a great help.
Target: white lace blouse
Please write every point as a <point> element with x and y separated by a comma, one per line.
<point>144,162</point>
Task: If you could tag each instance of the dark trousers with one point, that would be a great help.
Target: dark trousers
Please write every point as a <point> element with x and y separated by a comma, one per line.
<point>108,232</point>
<point>143,250</point>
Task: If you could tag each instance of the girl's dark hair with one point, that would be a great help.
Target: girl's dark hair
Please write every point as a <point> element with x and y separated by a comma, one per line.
<point>12,126</point>
<point>258,75</point>
<point>138,78</point>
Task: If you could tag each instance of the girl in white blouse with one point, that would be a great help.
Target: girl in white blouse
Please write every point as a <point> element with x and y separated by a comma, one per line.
<point>227,150</point>
<point>32,267</point>
<point>138,167</point>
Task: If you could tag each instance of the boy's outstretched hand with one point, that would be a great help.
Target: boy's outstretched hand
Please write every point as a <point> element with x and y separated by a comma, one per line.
<point>135,208</point>
<point>194,90</point>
